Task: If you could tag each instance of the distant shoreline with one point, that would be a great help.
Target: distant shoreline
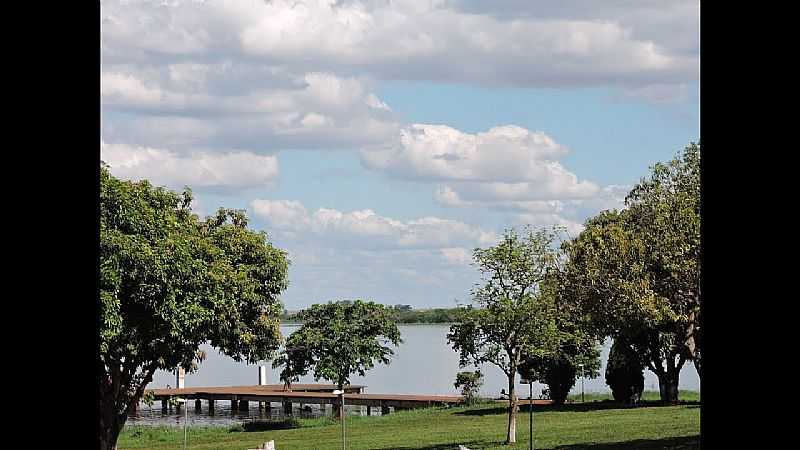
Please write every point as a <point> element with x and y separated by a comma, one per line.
<point>399,323</point>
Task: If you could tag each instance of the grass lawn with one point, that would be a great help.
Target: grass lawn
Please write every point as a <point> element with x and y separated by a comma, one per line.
<point>593,425</point>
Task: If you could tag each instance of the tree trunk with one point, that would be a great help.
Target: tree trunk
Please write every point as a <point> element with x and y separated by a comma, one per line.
<point>111,424</point>
<point>668,388</point>
<point>338,410</point>
<point>511,437</point>
<point>668,380</point>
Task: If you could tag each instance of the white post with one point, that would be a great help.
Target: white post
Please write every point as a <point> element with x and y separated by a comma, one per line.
<point>262,375</point>
<point>181,375</point>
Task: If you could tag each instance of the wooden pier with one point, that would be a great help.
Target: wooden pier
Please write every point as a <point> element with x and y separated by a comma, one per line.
<point>319,394</point>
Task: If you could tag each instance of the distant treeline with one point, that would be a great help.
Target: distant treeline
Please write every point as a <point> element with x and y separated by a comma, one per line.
<point>401,313</point>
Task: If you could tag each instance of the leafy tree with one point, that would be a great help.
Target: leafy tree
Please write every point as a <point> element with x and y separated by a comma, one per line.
<point>339,339</point>
<point>576,346</point>
<point>509,316</point>
<point>170,282</point>
<point>624,373</point>
<point>470,384</point>
<point>560,370</point>
<point>637,271</point>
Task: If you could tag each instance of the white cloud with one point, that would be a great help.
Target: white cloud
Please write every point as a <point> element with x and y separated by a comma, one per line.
<point>366,229</point>
<point>507,163</point>
<point>577,44</point>
<point>187,105</point>
<point>231,170</point>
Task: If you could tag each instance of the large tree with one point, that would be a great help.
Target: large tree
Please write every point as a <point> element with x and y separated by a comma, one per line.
<point>170,282</point>
<point>637,271</point>
<point>337,340</point>
<point>509,316</point>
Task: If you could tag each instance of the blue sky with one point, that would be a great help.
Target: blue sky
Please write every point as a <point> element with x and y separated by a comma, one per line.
<point>379,142</point>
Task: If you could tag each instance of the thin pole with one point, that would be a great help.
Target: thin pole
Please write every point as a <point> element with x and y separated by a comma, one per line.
<point>185,421</point>
<point>530,405</point>
<point>582,377</point>
<point>344,441</point>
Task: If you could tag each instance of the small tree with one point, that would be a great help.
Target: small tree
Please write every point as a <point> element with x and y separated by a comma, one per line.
<point>624,373</point>
<point>509,317</point>
<point>470,384</point>
<point>338,340</point>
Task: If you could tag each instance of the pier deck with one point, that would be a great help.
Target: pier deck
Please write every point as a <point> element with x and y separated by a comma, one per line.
<point>319,394</point>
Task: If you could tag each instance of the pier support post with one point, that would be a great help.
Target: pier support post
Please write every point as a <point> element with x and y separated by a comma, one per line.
<point>369,410</point>
<point>384,410</point>
<point>287,407</point>
<point>197,404</point>
<point>210,407</point>
<point>234,404</point>
<point>180,375</point>
<point>164,406</point>
<point>244,405</point>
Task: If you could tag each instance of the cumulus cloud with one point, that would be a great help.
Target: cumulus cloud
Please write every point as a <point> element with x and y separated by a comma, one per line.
<point>367,229</point>
<point>233,170</point>
<point>534,45</point>
<point>506,163</point>
<point>187,105</point>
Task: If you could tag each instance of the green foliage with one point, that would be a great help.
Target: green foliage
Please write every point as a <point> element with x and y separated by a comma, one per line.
<point>636,272</point>
<point>433,315</point>
<point>624,373</point>
<point>470,384</point>
<point>267,425</point>
<point>170,282</point>
<point>339,339</point>
<point>402,314</point>
<point>576,346</point>
<point>560,370</point>
<point>510,315</point>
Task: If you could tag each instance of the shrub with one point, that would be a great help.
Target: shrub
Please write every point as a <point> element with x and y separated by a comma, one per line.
<point>624,373</point>
<point>469,383</point>
<point>266,425</point>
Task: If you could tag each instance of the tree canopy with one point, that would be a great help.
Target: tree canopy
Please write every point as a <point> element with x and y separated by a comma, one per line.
<point>339,339</point>
<point>509,316</point>
<point>636,272</point>
<point>576,345</point>
<point>170,282</point>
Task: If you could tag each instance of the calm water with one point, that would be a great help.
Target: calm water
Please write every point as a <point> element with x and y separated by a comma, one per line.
<point>422,364</point>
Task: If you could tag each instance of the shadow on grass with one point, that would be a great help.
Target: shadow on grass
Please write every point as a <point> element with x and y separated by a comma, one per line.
<point>675,443</point>
<point>573,407</point>
<point>472,445</point>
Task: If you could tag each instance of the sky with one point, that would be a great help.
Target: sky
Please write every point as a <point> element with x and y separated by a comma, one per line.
<point>380,142</point>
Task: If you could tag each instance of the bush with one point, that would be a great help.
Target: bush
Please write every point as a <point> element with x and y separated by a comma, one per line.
<point>560,379</point>
<point>624,373</point>
<point>469,383</point>
<point>267,425</point>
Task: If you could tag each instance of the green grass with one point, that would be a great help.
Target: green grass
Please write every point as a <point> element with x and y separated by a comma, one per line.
<point>596,425</point>
<point>685,396</point>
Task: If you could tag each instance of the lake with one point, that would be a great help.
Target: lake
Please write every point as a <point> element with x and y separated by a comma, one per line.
<point>423,364</point>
